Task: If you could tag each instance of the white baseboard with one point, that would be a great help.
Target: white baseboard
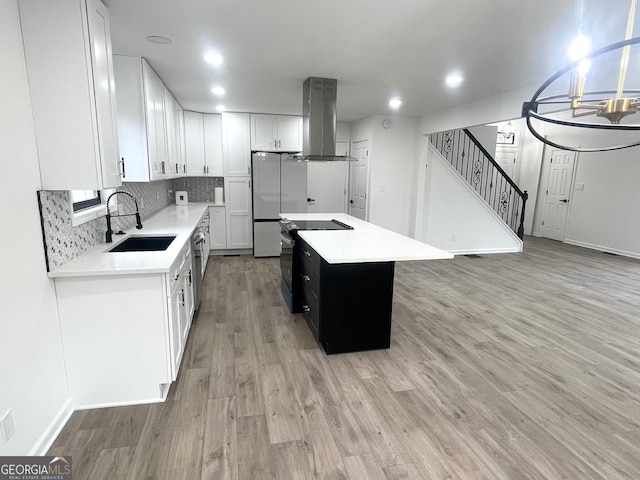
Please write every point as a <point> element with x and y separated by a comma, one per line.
<point>53,430</point>
<point>624,253</point>
<point>120,404</point>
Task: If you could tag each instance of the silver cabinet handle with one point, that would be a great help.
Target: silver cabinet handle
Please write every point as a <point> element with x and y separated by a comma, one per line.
<point>182,302</point>
<point>307,253</point>
<point>204,169</point>
<point>122,173</point>
<point>162,165</point>
<point>184,168</point>
<point>306,278</point>
<point>177,168</point>
<point>306,308</point>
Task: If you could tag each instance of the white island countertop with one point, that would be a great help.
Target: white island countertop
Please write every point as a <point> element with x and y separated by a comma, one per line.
<point>365,243</point>
<point>179,220</point>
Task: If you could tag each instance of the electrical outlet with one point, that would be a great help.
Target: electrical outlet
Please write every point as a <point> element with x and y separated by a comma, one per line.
<point>7,427</point>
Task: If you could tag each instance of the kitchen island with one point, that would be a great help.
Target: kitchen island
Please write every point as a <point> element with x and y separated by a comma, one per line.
<point>343,280</point>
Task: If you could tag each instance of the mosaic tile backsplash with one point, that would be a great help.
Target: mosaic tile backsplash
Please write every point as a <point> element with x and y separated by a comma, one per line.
<point>201,189</point>
<point>64,242</point>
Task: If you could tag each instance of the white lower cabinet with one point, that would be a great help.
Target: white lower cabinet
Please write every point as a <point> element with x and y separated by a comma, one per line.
<point>218,228</point>
<point>124,335</point>
<point>237,191</point>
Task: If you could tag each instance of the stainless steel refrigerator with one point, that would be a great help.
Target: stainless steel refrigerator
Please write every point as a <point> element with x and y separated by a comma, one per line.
<point>279,185</point>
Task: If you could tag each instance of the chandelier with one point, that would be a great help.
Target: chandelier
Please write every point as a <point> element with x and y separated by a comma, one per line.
<point>613,105</point>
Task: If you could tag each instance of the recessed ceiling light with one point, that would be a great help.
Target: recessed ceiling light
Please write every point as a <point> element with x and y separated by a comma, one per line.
<point>218,90</point>
<point>221,108</point>
<point>395,103</point>
<point>213,58</point>
<point>454,80</point>
<point>158,39</point>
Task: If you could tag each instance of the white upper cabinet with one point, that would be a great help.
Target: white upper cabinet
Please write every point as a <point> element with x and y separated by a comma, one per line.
<point>67,47</point>
<point>203,143</point>
<point>236,144</point>
<point>213,144</point>
<point>149,123</point>
<point>276,133</point>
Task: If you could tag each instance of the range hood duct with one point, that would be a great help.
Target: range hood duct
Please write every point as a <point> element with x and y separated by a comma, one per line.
<point>319,119</point>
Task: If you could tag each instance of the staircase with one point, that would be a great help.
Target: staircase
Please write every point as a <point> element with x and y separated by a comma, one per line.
<point>463,151</point>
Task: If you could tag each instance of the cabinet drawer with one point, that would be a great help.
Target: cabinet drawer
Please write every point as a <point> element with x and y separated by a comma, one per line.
<point>310,276</point>
<point>311,310</point>
<point>308,253</point>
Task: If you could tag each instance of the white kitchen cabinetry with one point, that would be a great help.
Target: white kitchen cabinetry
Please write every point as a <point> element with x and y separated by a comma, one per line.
<point>203,143</point>
<point>149,123</point>
<point>236,144</point>
<point>276,133</point>
<point>218,230</point>
<point>176,166</point>
<point>237,191</point>
<point>124,335</point>
<point>181,307</point>
<point>67,47</point>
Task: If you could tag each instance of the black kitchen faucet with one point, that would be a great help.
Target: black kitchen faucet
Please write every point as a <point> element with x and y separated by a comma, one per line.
<point>109,232</point>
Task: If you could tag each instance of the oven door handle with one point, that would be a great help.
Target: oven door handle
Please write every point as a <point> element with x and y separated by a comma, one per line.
<point>286,240</point>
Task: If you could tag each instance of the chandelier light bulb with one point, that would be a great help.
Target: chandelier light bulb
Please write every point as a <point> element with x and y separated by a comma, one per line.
<point>580,47</point>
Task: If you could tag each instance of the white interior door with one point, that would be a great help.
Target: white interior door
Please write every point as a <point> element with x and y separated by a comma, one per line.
<point>358,180</point>
<point>326,186</point>
<point>556,206</point>
<point>507,161</point>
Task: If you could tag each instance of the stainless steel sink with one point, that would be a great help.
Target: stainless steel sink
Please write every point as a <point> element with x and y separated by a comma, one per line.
<point>144,243</point>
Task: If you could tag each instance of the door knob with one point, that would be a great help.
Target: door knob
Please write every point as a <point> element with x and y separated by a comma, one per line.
<point>351,202</point>
<point>564,200</point>
<point>311,199</point>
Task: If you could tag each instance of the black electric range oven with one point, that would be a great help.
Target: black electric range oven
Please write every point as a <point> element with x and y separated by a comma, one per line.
<point>288,260</point>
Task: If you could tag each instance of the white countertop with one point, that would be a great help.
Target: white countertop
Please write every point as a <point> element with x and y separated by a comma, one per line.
<point>179,220</point>
<point>365,243</point>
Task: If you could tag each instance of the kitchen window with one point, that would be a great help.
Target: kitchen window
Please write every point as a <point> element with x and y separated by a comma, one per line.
<point>87,205</point>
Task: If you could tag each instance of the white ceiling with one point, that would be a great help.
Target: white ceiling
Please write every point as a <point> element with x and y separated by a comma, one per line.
<point>375,48</point>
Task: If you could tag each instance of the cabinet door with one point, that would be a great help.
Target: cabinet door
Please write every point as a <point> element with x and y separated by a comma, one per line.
<point>289,133</point>
<point>238,212</point>
<point>171,132</point>
<point>194,143</point>
<point>264,133</point>
<point>218,230</point>
<point>154,107</point>
<point>213,145</point>
<point>71,92</point>
<point>187,298</point>
<point>105,95</point>
<point>175,330</point>
<point>182,159</point>
<point>236,144</point>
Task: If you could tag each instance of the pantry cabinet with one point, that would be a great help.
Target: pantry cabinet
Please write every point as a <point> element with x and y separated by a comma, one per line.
<point>276,133</point>
<point>237,191</point>
<point>67,47</point>
<point>236,144</point>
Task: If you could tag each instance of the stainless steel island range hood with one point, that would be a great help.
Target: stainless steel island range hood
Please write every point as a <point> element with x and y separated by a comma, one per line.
<point>319,120</point>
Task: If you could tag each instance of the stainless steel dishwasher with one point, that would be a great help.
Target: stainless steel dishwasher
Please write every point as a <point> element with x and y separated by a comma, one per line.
<point>200,252</point>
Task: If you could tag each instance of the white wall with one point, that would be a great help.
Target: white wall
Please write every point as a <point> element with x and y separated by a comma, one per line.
<point>452,217</point>
<point>487,136</point>
<point>392,170</point>
<point>32,378</point>
<point>488,110</point>
<point>604,215</point>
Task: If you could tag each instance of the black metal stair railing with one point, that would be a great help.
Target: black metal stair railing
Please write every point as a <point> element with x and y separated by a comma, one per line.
<point>463,151</point>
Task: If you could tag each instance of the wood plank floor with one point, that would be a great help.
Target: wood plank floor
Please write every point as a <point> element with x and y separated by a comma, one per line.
<point>513,366</point>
